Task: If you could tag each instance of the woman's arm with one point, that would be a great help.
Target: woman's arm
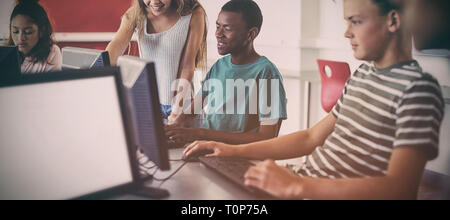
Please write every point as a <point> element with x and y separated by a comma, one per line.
<point>191,49</point>
<point>121,41</point>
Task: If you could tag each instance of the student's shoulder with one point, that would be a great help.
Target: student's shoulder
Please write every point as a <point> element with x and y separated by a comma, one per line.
<point>221,63</point>
<point>55,48</point>
<point>198,13</point>
<point>129,18</point>
<point>269,69</point>
<point>55,58</point>
<point>426,83</point>
<point>417,80</point>
<point>55,53</point>
<point>413,73</point>
<point>197,18</point>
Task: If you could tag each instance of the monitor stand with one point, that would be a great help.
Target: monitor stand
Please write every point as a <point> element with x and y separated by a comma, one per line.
<point>148,191</point>
<point>151,192</point>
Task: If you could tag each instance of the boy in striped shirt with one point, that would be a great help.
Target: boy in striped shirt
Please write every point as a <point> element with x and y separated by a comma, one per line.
<point>377,140</point>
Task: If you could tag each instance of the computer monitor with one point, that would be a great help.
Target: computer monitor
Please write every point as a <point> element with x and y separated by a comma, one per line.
<point>9,63</point>
<point>139,80</point>
<point>82,58</point>
<point>65,135</point>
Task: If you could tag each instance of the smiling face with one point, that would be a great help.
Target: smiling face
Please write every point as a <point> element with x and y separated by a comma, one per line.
<point>24,33</point>
<point>232,33</point>
<point>366,28</point>
<point>158,7</point>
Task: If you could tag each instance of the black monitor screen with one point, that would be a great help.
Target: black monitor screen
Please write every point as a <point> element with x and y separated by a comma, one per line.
<point>9,63</point>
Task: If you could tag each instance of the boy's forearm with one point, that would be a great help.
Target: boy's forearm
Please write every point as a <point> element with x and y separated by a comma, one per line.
<point>374,188</point>
<point>290,146</point>
<point>286,147</point>
<point>401,181</point>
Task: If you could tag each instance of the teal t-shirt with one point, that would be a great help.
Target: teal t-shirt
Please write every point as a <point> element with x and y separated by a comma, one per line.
<point>239,97</point>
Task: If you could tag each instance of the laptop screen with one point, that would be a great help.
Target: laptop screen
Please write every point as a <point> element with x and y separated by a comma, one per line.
<point>61,140</point>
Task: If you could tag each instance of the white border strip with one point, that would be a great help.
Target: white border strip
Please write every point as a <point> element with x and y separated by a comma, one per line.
<point>87,37</point>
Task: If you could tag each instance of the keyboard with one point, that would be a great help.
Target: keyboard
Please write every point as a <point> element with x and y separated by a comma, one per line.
<point>232,168</point>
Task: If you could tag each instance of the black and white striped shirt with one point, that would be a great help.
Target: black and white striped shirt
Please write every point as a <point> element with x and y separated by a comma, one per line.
<point>379,111</point>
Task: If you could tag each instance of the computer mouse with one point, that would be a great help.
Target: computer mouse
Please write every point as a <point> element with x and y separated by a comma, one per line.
<point>194,156</point>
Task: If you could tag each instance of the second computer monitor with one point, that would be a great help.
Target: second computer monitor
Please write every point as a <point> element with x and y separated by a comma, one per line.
<point>64,135</point>
<point>9,63</point>
<point>140,83</point>
<point>82,58</point>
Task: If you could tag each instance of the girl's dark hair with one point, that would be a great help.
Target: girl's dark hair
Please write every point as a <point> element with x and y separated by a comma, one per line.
<point>386,6</point>
<point>38,16</point>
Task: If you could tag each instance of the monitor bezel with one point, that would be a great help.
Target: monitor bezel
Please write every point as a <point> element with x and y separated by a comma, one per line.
<point>12,50</point>
<point>159,156</point>
<point>161,138</point>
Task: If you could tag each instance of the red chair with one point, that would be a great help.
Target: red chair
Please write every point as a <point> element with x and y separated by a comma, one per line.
<point>334,75</point>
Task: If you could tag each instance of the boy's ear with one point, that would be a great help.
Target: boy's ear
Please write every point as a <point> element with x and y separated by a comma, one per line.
<point>253,33</point>
<point>394,21</point>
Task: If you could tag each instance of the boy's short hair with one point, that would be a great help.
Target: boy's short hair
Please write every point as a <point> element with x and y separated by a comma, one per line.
<point>251,13</point>
<point>386,6</point>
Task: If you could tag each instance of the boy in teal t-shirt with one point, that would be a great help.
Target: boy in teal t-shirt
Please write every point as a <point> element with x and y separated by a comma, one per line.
<point>244,91</point>
<point>247,90</point>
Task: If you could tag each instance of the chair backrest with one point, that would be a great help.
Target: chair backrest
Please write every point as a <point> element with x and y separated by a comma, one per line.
<point>333,75</point>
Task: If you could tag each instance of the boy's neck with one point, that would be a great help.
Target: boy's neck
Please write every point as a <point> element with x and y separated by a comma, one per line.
<point>245,56</point>
<point>396,52</point>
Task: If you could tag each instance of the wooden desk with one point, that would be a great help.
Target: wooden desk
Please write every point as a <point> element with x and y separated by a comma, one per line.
<point>434,186</point>
<point>196,182</point>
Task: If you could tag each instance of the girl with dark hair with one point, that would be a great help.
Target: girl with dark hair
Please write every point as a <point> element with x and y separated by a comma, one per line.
<point>31,32</point>
<point>171,33</point>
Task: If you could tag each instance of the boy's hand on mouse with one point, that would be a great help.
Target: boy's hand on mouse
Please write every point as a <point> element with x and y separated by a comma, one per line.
<point>276,180</point>
<point>220,149</point>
